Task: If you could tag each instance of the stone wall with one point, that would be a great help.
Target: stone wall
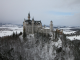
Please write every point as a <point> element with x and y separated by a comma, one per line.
<point>37,28</point>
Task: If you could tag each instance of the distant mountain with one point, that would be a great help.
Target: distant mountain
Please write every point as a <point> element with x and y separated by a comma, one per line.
<point>20,25</point>
<point>57,27</point>
<point>10,25</point>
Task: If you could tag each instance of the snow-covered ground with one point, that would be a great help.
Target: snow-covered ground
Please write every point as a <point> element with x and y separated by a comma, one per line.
<point>65,28</point>
<point>71,37</point>
<point>68,32</point>
<point>74,37</point>
<point>58,43</point>
<point>10,31</point>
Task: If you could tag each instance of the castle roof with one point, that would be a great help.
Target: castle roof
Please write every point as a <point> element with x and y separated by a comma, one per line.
<point>35,22</point>
<point>29,21</point>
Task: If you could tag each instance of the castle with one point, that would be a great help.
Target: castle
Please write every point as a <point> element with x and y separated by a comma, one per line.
<point>33,26</point>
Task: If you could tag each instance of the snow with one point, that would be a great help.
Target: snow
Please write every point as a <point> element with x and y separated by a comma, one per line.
<point>74,37</point>
<point>8,32</point>
<point>30,35</point>
<point>46,28</point>
<point>51,35</point>
<point>58,43</point>
<point>68,32</point>
<point>5,33</point>
<point>21,38</point>
<point>65,28</point>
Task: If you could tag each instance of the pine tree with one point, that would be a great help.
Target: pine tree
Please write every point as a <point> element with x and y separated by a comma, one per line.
<point>55,34</point>
<point>13,34</point>
<point>16,33</point>
<point>24,33</point>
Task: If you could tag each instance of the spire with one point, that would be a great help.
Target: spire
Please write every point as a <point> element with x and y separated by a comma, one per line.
<point>29,16</point>
<point>51,20</point>
<point>51,26</point>
<point>33,18</point>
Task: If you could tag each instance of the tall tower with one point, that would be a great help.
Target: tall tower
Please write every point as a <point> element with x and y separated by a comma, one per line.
<point>28,16</point>
<point>51,26</point>
<point>41,25</point>
<point>32,25</point>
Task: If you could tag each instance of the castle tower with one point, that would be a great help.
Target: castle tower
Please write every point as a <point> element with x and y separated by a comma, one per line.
<point>28,16</point>
<point>41,25</point>
<point>32,25</point>
<point>51,26</point>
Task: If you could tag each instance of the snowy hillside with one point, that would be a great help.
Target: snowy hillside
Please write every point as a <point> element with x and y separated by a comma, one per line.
<point>68,32</point>
<point>73,33</point>
<point>74,37</point>
<point>5,31</point>
<point>38,48</point>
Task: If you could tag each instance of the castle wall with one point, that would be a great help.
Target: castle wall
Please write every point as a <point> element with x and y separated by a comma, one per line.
<point>32,26</point>
<point>24,26</point>
<point>36,28</point>
<point>29,29</point>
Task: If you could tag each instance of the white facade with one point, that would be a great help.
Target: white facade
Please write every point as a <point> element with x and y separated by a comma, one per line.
<point>32,26</point>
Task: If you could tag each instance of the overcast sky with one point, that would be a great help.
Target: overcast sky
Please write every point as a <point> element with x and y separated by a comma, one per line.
<point>61,12</point>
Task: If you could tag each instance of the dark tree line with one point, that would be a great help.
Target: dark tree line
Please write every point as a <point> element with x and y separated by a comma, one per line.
<point>24,33</point>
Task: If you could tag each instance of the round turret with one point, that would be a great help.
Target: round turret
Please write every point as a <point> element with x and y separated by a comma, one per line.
<point>51,26</point>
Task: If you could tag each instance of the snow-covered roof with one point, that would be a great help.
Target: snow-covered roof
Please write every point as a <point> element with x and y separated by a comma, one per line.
<point>35,22</point>
<point>46,28</point>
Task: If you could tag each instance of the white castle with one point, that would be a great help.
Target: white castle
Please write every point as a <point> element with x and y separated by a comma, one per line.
<point>33,26</point>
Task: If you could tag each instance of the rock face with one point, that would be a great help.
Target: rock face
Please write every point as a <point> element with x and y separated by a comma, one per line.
<point>37,48</point>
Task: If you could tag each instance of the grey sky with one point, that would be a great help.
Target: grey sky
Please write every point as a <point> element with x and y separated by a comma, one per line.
<point>61,12</point>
